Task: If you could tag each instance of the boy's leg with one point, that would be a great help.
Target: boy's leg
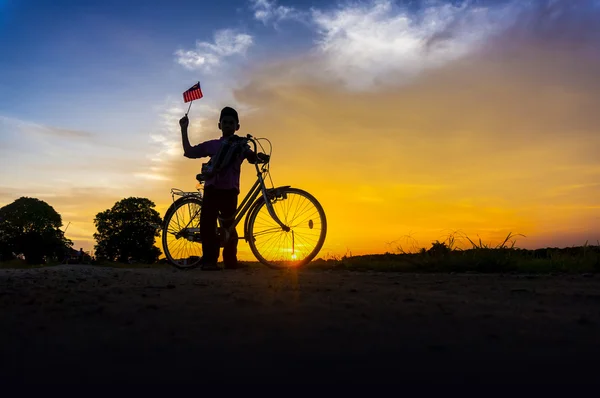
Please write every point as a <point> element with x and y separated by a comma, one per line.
<point>229,199</point>
<point>208,227</point>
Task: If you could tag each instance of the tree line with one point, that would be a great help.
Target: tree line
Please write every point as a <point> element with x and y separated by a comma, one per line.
<point>30,229</point>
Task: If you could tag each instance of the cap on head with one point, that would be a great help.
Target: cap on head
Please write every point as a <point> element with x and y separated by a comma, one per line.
<point>228,111</point>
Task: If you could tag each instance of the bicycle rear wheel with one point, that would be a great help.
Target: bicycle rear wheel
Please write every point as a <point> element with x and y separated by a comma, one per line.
<point>305,217</point>
<point>181,233</point>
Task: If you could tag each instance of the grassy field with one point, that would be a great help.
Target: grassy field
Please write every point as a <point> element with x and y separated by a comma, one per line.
<point>481,258</point>
<point>440,257</point>
<point>572,260</point>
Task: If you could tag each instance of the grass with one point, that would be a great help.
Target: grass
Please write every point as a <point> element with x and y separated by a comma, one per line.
<point>441,257</point>
<point>479,258</point>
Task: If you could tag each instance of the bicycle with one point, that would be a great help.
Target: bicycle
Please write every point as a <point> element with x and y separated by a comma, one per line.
<point>277,239</point>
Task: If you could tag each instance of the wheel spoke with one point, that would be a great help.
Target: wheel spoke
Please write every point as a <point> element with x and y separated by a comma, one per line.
<point>183,251</point>
<point>275,247</point>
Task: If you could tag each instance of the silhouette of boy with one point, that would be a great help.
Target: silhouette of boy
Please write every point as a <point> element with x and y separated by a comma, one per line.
<point>220,190</point>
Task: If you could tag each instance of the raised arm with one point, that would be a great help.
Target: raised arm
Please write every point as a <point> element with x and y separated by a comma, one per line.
<point>189,151</point>
<point>184,122</point>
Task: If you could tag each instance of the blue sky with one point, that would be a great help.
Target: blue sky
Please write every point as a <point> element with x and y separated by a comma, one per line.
<point>62,57</point>
<point>66,60</point>
<point>90,95</point>
<point>68,55</point>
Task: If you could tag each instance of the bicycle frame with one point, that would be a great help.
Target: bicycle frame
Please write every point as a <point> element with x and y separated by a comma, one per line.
<point>250,201</point>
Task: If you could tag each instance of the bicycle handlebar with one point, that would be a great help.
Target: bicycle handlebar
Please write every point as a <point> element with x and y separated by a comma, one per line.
<point>250,138</point>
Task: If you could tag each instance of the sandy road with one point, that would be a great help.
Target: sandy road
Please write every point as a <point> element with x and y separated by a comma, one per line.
<point>97,325</point>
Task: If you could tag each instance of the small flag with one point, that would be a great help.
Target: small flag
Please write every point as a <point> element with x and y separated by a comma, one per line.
<point>194,93</point>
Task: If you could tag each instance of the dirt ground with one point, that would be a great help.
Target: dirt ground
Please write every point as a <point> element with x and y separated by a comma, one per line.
<point>73,324</point>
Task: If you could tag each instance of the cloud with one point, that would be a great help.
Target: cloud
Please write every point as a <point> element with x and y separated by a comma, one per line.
<point>207,56</point>
<point>362,43</point>
<point>165,160</point>
<point>44,131</point>
<point>267,11</point>
<point>21,134</point>
<point>51,159</point>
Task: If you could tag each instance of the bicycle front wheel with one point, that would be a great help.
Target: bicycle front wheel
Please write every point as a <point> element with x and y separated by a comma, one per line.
<point>181,234</point>
<point>277,248</point>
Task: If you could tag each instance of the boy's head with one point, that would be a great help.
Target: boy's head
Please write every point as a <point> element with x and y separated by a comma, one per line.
<point>229,122</point>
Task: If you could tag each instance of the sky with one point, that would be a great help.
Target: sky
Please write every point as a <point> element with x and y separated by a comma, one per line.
<point>409,121</point>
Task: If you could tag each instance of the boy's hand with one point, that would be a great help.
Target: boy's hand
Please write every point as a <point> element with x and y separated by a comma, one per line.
<point>184,122</point>
<point>263,157</point>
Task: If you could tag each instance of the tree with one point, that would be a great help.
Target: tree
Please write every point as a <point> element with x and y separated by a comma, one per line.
<point>31,227</point>
<point>127,231</point>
